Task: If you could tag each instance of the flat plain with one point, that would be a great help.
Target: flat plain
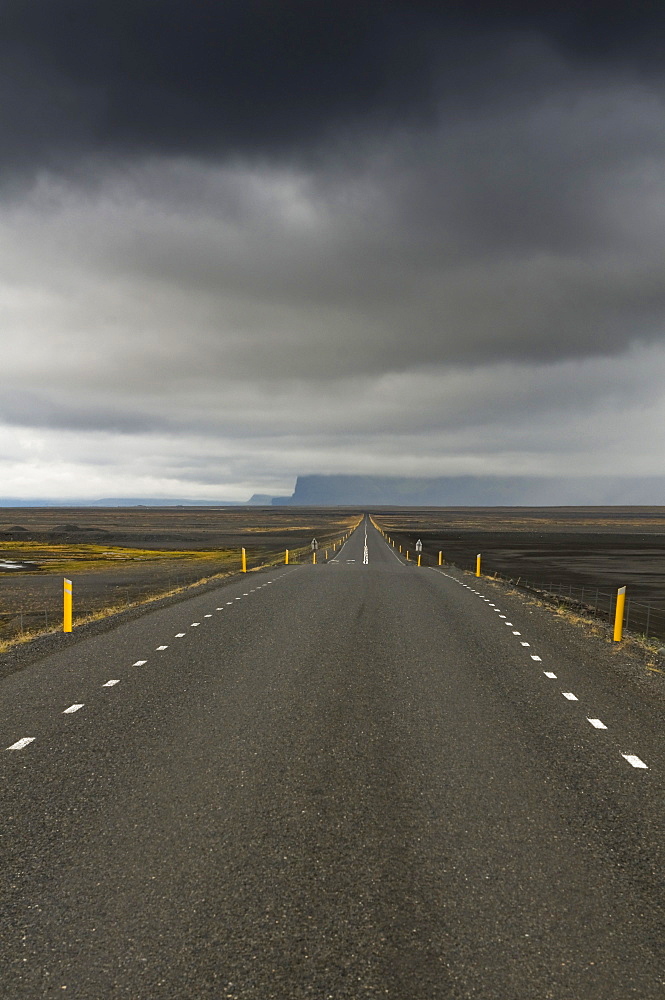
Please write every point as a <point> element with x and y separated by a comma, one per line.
<point>120,556</point>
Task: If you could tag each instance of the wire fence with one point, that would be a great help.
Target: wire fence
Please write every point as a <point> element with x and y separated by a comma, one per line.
<point>21,622</point>
<point>26,621</point>
<point>646,618</point>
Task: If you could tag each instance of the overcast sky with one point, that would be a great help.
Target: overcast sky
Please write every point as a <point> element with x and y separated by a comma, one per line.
<point>245,240</point>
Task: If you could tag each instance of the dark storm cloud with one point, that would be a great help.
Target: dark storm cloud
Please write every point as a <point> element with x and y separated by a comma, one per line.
<point>223,77</point>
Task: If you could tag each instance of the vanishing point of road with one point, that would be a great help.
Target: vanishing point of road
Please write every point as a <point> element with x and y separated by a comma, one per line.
<point>346,781</point>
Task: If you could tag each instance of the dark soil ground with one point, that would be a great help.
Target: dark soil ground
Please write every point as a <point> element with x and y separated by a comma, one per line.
<point>33,599</point>
<point>565,548</point>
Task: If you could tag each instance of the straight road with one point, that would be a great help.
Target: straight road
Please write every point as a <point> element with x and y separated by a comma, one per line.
<point>350,780</point>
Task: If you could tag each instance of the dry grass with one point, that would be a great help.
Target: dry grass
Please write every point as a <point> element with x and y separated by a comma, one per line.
<point>295,555</point>
<point>647,647</point>
<point>63,558</point>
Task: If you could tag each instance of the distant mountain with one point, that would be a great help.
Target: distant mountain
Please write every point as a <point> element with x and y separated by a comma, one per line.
<point>473,491</point>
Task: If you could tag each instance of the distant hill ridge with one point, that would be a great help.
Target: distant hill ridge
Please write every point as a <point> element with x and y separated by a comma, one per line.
<point>473,491</point>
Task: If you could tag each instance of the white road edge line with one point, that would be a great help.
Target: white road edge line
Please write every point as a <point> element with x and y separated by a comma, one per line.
<point>635,761</point>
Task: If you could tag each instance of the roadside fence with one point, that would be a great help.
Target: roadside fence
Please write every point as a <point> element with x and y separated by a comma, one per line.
<point>645,618</point>
<point>20,622</point>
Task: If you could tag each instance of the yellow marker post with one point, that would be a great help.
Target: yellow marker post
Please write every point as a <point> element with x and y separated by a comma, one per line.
<point>400,548</point>
<point>286,557</point>
<point>440,558</point>
<point>407,555</point>
<point>67,606</point>
<point>244,561</point>
<point>419,558</point>
<point>478,564</point>
<point>618,617</point>
<point>326,556</point>
<point>314,558</point>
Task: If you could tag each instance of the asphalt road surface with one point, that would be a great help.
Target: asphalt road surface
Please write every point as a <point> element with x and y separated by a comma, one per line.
<point>350,780</point>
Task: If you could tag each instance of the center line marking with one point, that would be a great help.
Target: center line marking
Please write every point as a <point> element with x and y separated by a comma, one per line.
<point>570,696</point>
<point>596,723</point>
<point>22,743</point>
<point>109,684</point>
<point>630,757</point>
<point>71,709</point>
<point>139,663</point>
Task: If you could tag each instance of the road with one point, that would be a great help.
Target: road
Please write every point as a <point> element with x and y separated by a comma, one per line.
<point>349,780</point>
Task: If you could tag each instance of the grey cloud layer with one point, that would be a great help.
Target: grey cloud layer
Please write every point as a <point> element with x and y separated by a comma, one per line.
<point>330,237</point>
<point>169,77</point>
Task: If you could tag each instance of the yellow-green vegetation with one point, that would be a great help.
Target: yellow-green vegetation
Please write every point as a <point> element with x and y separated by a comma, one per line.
<point>81,557</point>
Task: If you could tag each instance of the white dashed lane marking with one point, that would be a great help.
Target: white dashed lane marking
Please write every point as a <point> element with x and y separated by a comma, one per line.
<point>22,743</point>
<point>162,647</point>
<point>632,759</point>
<point>635,761</point>
<point>194,624</point>
<point>109,684</point>
<point>72,709</point>
<point>207,616</point>
<point>179,635</point>
<point>139,663</point>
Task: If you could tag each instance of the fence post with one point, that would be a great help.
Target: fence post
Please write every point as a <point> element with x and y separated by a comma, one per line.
<point>67,605</point>
<point>618,616</point>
